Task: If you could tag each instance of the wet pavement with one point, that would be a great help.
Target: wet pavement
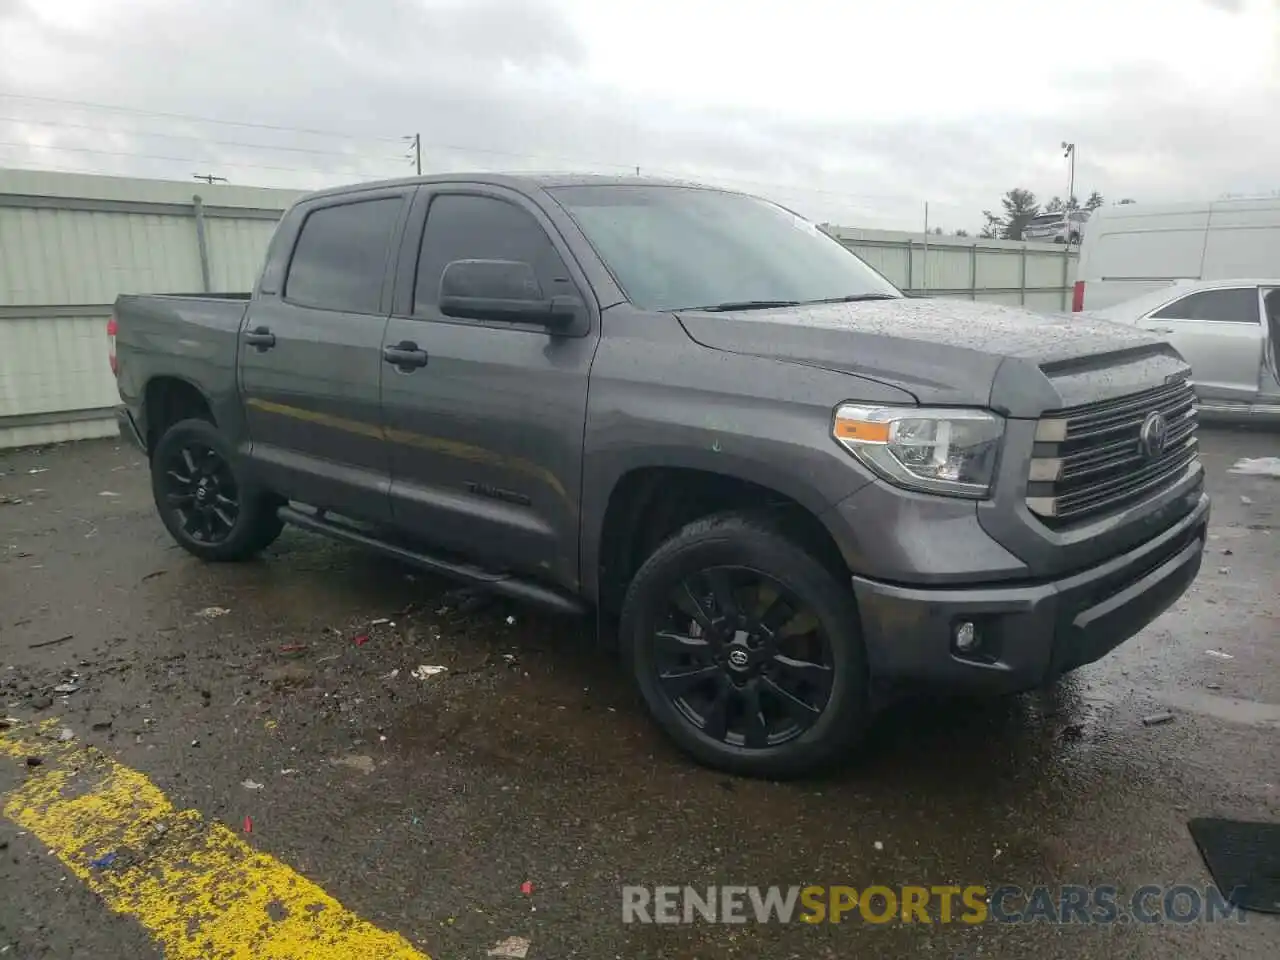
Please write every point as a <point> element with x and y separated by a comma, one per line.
<point>428,804</point>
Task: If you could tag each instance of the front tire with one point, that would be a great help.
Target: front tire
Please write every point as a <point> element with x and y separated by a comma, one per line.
<point>746,649</point>
<point>205,500</point>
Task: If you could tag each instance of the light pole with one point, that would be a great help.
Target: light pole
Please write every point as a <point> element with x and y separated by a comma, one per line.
<point>1069,150</point>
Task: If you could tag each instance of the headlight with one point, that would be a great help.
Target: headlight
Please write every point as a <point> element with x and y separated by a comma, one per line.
<point>936,450</point>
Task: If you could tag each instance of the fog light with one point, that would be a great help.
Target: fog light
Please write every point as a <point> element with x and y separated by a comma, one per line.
<point>966,637</point>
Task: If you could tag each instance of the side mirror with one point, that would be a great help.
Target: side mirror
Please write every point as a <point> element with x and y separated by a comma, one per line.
<point>505,290</point>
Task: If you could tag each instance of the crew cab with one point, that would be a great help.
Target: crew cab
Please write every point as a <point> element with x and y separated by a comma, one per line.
<point>785,488</point>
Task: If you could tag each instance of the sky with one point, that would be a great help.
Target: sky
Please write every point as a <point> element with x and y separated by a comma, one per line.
<point>853,112</point>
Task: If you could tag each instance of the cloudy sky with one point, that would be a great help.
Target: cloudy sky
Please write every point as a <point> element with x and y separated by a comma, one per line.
<point>853,111</point>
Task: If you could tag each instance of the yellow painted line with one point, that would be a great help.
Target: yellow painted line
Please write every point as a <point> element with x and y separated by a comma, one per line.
<point>199,889</point>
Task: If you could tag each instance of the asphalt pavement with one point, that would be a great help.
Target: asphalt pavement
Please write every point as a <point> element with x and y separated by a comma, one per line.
<point>514,793</point>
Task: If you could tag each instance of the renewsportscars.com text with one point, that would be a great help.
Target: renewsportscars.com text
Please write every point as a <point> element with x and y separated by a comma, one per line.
<point>973,904</point>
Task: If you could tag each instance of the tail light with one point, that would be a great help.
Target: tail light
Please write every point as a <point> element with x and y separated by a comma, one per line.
<point>112,327</point>
<point>1077,297</point>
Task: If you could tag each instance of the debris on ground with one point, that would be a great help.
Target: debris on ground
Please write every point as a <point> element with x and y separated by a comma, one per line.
<point>288,771</point>
<point>426,671</point>
<point>66,688</point>
<point>7,722</point>
<point>878,845</point>
<point>195,743</point>
<point>251,784</point>
<point>104,724</point>
<point>1213,686</point>
<point>65,734</point>
<point>154,574</point>
<point>1157,718</point>
<point>361,640</point>
<point>42,703</point>
<point>248,824</point>
<point>108,493</point>
<point>1224,570</point>
<point>12,501</point>
<point>35,470</point>
<point>511,659</point>
<point>293,647</point>
<point>1073,731</point>
<point>527,887</point>
<point>211,613</point>
<point>379,622</point>
<point>359,762</point>
<point>103,862</point>
<point>50,643</point>
<point>1219,655</point>
<point>1258,466</point>
<point>511,621</point>
<point>1246,500</point>
<point>392,675</point>
<point>35,761</point>
<point>512,947</point>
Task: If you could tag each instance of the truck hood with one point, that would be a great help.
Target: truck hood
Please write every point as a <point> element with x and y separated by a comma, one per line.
<point>953,352</point>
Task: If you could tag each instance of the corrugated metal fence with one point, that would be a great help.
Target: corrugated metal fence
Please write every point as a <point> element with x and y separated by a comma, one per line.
<point>69,244</point>
<point>1038,276</point>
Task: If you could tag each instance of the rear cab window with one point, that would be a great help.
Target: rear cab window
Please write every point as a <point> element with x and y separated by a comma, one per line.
<point>340,259</point>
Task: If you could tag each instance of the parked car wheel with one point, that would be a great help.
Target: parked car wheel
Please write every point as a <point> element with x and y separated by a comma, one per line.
<point>205,502</point>
<point>746,649</point>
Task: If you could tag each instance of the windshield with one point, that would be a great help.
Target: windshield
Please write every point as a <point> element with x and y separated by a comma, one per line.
<point>674,248</point>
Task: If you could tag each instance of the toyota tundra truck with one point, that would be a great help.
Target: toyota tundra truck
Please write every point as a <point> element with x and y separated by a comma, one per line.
<point>782,487</point>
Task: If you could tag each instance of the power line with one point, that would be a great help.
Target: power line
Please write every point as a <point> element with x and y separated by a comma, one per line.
<point>190,136</point>
<point>195,119</point>
<point>152,156</point>
<point>420,145</point>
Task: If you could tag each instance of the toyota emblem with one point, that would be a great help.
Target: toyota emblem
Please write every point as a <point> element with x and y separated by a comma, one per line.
<point>738,658</point>
<point>1153,436</point>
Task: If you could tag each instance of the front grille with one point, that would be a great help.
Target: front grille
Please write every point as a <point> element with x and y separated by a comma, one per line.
<point>1090,460</point>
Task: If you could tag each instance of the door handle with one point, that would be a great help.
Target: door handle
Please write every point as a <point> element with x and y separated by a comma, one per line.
<point>405,356</point>
<point>260,337</point>
<point>1161,329</point>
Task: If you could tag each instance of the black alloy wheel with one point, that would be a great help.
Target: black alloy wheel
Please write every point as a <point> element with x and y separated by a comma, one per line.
<point>201,490</point>
<point>742,659</point>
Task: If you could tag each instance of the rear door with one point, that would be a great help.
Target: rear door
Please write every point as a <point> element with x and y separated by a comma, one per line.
<point>486,435</point>
<point>311,355</point>
<point>1218,332</point>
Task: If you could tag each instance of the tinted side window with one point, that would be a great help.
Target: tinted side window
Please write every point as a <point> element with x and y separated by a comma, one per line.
<point>1238,305</point>
<point>341,256</point>
<point>465,227</point>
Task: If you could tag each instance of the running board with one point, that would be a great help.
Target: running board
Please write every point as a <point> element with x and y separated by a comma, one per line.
<point>504,584</point>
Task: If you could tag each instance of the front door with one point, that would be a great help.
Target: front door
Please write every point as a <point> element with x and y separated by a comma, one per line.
<point>311,358</point>
<point>485,432</point>
<point>1219,333</point>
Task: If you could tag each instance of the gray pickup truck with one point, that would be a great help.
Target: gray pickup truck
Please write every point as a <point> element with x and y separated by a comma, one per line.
<point>786,489</point>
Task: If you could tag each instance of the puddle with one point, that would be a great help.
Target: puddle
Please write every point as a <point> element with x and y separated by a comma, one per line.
<point>1252,713</point>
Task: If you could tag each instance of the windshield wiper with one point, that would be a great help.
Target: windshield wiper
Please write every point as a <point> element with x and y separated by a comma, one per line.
<point>856,298</point>
<point>744,305</point>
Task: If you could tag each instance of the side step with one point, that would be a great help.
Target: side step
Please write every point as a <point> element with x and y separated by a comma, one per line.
<point>504,584</point>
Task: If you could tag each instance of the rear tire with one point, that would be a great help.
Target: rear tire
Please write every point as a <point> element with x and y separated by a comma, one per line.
<point>747,649</point>
<point>205,500</point>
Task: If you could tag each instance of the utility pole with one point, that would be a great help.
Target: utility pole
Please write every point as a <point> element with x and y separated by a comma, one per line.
<point>208,178</point>
<point>417,151</point>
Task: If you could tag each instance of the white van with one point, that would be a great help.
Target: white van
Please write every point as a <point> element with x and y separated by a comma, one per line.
<point>1132,249</point>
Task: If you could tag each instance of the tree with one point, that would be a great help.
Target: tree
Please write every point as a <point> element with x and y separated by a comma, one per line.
<point>1054,205</point>
<point>1094,201</point>
<point>992,227</point>
<point>962,233</point>
<point>1019,208</point>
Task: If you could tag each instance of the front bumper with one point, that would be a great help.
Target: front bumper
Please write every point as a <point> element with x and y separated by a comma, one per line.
<point>1029,634</point>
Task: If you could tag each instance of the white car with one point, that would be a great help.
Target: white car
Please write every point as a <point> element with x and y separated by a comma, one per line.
<point>1227,330</point>
<point>1059,227</point>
